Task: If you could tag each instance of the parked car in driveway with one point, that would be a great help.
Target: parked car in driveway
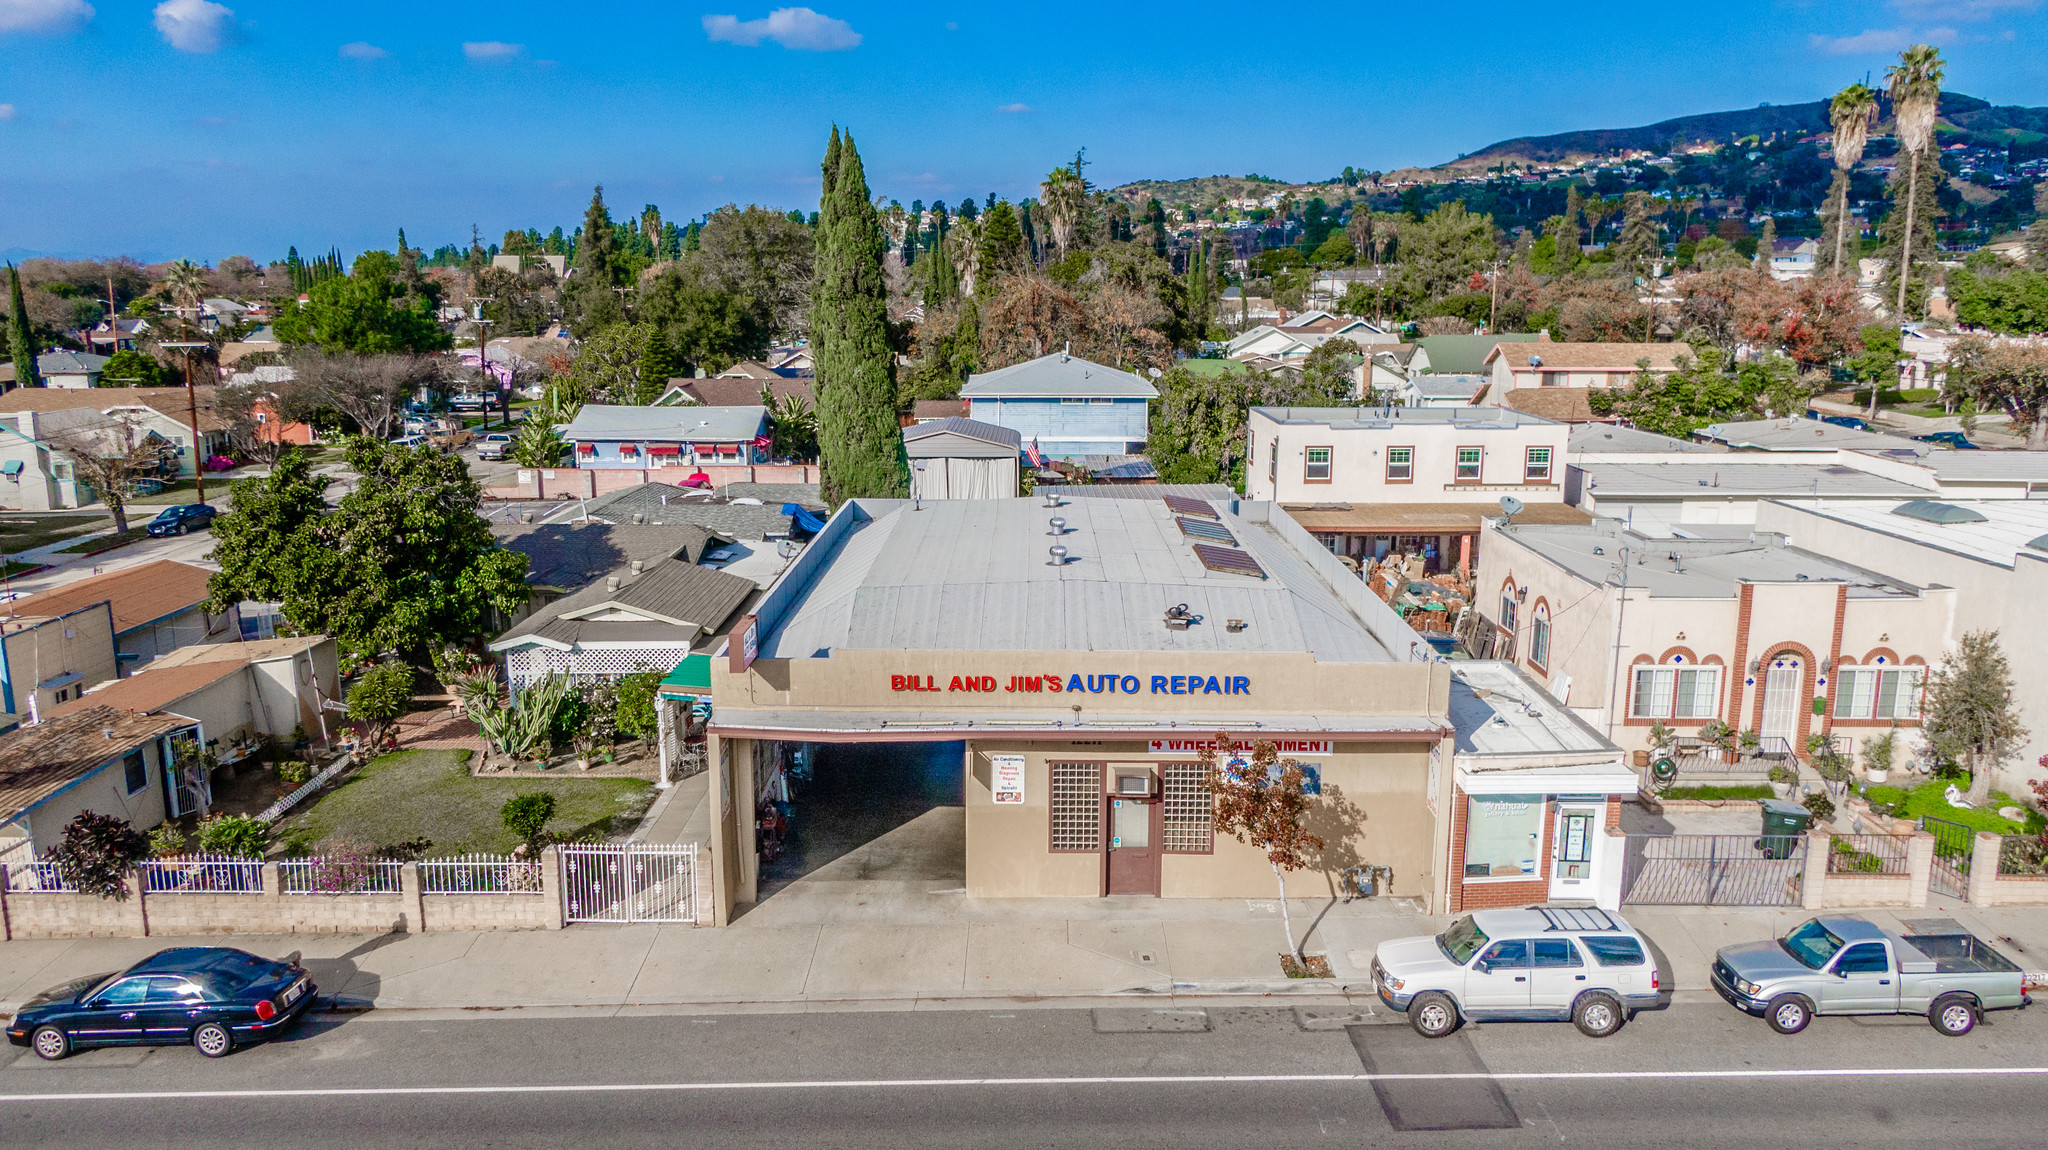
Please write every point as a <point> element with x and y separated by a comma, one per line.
<point>214,997</point>
<point>1542,963</point>
<point>493,446</point>
<point>469,401</point>
<point>1846,964</point>
<point>182,519</point>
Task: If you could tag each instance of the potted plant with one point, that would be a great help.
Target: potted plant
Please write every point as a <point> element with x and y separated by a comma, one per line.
<point>1721,736</point>
<point>1750,741</point>
<point>1878,754</point>
<point>1783,779</point>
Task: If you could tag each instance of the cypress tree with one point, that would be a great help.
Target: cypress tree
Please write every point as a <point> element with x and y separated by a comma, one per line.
<point>21,339</point>
<point>658,365</point>
<point>1002,247</point>
<point>593,304</point>
<point>860,443</point>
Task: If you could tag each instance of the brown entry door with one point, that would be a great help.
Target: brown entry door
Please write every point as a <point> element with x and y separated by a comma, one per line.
<point>1133,846</point>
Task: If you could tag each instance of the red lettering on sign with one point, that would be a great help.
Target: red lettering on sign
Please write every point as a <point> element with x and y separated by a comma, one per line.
<point>1053,682</point>
<point>896,682</point>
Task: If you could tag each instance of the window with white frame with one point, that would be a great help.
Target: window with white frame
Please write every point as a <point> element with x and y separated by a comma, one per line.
<point>1507,622</point>
<point>1503,835</point>
<point>1878,692</point>
<point>1539,637</point>
<point>1316,465</point>
<point>1673,692</point>
<point>1468,464</point>
<point>1400,464</point>
<point>1273,462</point>
<point>1536,465</point>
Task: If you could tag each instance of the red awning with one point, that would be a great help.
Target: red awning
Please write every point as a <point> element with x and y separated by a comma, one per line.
<point>586,449</point>
<point>664,449</point>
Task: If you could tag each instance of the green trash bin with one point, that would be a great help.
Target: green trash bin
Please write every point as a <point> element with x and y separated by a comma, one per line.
<point>1784,822</point>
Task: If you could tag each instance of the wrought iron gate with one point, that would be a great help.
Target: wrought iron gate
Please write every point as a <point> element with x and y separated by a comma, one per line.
<point>1953,843</point>
<point>1713,870</point>
<point>630,882</point>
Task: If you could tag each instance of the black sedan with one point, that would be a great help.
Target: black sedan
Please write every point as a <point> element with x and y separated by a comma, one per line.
<point>214,997</point>
<point>182,518</point>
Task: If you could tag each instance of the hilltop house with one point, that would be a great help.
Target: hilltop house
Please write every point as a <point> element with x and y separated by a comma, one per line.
<point>1555,380</point>
<point>1066,405</point>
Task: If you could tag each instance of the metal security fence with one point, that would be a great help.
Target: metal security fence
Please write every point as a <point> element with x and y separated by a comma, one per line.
<point>480,874</point>
<point>35,876</point>
<point>629,882</point>
<point>1866,854</point>
<point>202,874</point>
<point>340,876</point>
<point>1713,870</point>
<point>1954,843</point>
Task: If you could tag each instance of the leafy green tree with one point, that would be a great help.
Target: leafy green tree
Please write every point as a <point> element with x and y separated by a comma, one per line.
<point>607,364</point>
<point>634,716</point>
<point>2004,375</point>
<point>133,369</point>
<point>591,296</point>
<point>378,698</point>
<point>403,564</point>
<point>236,836</point>
<point>539,444</point>
<point>527,816</point>
<point>1700,391</point>
<point>365,312</point>
<point>1001,247</point>
<point>2010,301</point>
<point>1640,244</point>
<point>1440,254</point>
<point>706,325</point>
<point>1969,718</point>
<point>1335,251</point>
<point>1326,374</point>
<point>658,365</point>
<point>21,336</point>
<point>1566,251</point>
<point>793,427</point>
<point>859,439</point>
<point>1878,362</point>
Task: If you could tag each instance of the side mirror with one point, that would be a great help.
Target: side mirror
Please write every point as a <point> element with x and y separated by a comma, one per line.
<point>1483,966</point>
<point>1839,973</point>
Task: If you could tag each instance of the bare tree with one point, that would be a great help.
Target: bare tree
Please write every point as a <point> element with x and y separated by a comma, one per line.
<point>108,454</point>
<point>368,389</point>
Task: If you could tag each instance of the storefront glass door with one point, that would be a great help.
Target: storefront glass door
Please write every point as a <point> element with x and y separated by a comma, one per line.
<point>1573,847</point>
<point>1133,847</point>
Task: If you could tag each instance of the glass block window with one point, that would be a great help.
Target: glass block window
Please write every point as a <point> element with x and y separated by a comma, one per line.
<point>1186,809</point>
<point>1076,806</point>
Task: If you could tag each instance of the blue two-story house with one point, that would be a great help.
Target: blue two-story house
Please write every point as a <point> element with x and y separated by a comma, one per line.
<point>616,437</point>
<point>1070,407</point>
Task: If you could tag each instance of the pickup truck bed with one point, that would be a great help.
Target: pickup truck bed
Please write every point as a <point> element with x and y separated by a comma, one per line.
<point>1953,954</point>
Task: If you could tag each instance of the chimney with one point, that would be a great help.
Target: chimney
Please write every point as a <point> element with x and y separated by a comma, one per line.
<point>611,582</point>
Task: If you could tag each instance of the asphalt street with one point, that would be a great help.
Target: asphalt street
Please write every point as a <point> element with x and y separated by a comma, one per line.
<point>1267,1076</point>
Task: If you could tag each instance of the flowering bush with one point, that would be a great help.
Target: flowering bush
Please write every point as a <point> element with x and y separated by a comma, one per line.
<point>342,865</point>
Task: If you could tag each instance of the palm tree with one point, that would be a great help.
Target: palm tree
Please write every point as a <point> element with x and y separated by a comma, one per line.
<point>1063,195</point>
<point>1852,111</point>
<point>187,283</point>
<point>1914,84</point>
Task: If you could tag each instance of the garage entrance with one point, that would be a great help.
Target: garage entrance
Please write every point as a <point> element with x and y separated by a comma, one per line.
<point>873,812</point>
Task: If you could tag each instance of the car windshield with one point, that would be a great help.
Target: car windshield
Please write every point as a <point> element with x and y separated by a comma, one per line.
<point>1812,944</point>
<point>1461,941</point>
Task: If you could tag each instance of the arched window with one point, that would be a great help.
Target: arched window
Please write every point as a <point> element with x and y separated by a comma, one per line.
<point>1539,637</point>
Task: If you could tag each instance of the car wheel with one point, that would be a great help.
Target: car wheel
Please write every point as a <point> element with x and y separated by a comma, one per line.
<point>1788,1014</point>
<point>213,1040</point>
<point>1433,1015</point>
<point>50,1043</point>
<point>1597,1015</point>
<point>183,528</point>
<point>1953,1014</point>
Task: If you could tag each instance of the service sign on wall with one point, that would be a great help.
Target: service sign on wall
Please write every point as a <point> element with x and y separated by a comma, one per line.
<point>1008,772</point>
<point>1286,747</point>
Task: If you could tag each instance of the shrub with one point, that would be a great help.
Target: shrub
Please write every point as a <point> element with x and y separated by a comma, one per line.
<point>1821,807</point>
<point>527,816</point>
<point>635,712</point>
<point>379,697</point>
<point>237,836</point>
<point>411,850</point>
<point>292,772</point>
<point>165,841</point>
<point>97,854</point>
<point>1783,775</point>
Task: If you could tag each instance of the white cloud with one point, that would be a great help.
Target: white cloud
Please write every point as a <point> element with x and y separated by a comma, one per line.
<point>195,25</point>
<point>363,50</point>
<point>1869,42</point>
<point>491,49</point>
<point>6,111</point>
<point>1014,109</point>
<point>43,15</point>
<point>799,29</point>
<point>1961,9</point>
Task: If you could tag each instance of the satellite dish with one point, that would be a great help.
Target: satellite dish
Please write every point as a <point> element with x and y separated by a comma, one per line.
<point>1509,505</point>
<point>1153,372</point>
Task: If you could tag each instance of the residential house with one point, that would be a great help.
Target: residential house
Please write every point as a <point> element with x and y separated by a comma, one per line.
<point>652,438</point>
<point>262,341</point>
<point>100,759</point>
<point>1369,481</point>
<point>157,607</point>
<point>1554,379</point>
<point>1630,630</point>
<point>562,558</point>
<point>71,370</point>
<point>926,410</point>
<point>162,413</point>
<point>217,313</point>
<point>237,694</point>
<point>963,459</point>
<point>1794,258</point>
<point>35,475</point>
<point>738,390</point>
<point>1069,407</point>
<point>119,335</point>
<point>50,654</point>
<point>1466,354</point>
<point>1993,552</point>
<point>635,620</point>
<point>1293,338</point>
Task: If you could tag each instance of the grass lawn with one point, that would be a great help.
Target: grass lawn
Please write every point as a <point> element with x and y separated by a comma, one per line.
<point>178,491</point>
<point>1927,799</point>
<point>1755,791</point>
<point>19,533</point>
<point>99,543</point>
<point>431,794</point>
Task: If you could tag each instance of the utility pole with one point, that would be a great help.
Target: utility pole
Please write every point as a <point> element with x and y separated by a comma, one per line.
<point>192,416</point>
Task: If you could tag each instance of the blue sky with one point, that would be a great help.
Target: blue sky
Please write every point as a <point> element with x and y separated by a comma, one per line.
<point>191,128</point>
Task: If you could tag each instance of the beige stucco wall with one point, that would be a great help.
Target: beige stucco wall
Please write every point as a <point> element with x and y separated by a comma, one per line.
<point>105,792</point>
<point>82,641</point>
<point>1358,464</point>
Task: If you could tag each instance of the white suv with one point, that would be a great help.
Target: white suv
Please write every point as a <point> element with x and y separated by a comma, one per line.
<point>1543,963</point>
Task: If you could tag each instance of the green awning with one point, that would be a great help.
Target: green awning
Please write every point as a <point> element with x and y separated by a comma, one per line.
<point>690,679</point>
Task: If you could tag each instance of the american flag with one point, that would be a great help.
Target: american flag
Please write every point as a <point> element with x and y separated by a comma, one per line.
<point>1031,453</point>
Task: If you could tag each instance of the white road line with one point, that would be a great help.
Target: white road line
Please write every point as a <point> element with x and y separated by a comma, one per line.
<point>939,1083</point>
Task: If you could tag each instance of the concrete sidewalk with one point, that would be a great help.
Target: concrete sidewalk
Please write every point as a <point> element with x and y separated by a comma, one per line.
<point>887,927</point>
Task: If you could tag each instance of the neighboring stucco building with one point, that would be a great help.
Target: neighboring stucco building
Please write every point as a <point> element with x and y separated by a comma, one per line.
<point>652,438</point>
<point>1629,630</point>
<point>1066,405</point>
<point>238,694</point>
<point>162,412</point>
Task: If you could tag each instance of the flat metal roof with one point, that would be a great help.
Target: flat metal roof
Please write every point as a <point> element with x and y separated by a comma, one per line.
<point>1693,568</point>
<point>1498,710</point>
<point>1725,477</point>
<point>2010,527</point>
<point>1382,418</point>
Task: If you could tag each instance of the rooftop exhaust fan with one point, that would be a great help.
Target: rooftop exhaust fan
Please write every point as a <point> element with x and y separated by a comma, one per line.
<point>1058,525</point>
<point>1178,617</point>
<point>1059,556</point>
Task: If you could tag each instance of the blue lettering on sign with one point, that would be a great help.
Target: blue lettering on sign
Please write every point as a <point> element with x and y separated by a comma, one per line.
<point>1074,683</point>
<point>1210,687</point>
<point>1130,684</point>
<point>1183,684</point>
<point>1180,684</point>
<point>1159,684</point>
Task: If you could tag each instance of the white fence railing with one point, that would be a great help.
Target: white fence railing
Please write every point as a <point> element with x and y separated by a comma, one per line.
<point>480,874</point>
<point>339,876</point>
<point>203,874</point>
<point>637,882</point>
<point>35,876</point>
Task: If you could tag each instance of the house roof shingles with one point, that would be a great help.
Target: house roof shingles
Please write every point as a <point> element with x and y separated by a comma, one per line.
<point>1610,357</point>
<point>139,595</point>
<point>696,600</point>
<point>37,762</point>
<point>170,402</point>
<point>154,688</point>
<point>1562,404</point>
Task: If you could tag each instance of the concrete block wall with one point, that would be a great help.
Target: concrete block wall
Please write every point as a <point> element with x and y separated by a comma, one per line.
<point>47,914</point>
<point>1823,891</point>
<point>1989,888</point>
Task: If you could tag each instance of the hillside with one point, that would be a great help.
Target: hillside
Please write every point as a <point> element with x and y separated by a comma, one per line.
<point>1964,113</point>
<point>1205,190</point>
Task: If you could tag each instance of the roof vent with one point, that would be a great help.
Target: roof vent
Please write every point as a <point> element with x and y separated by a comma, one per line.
<point>1930,511</point>
<point>638,565</point>
<point>2040,544</point>
<point>107,733</point>
<point>1052,498</point>
<point>611,582</point>
<point>1178,617</point>
<point>1059,556</point>
<point>1058,523</point>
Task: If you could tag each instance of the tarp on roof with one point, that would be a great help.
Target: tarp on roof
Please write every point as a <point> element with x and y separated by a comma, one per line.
<point>803,519</point>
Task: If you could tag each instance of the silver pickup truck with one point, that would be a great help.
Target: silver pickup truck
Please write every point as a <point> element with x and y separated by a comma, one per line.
<point>1846,964</point>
